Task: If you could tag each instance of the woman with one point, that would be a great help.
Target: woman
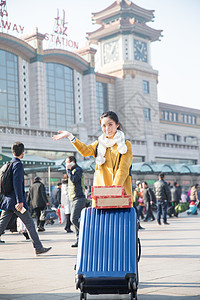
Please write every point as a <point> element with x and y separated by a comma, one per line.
<point>112,152</point>
<point>140,202</point>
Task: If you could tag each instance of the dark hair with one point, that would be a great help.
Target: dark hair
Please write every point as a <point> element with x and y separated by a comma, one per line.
<point>72,158</point>
<point>161,175</point>
<point>64,181</point>
<point>59,184</point>
<point>37,178</point>
<point>113,116</point>
<point>17,148</point>
<point>145,183</point>
<point>175,183</point>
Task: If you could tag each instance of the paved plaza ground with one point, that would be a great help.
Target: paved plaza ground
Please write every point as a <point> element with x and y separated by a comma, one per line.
<point>169,268</point>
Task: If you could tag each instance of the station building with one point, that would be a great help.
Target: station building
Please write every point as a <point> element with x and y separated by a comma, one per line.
<point>45,90</point>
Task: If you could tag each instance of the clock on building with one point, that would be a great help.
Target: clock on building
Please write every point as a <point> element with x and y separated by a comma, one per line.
<point>111,51</point>
<point>140,50</point>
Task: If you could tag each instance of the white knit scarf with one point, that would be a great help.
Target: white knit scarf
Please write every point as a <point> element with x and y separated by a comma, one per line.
<point>105,143</point>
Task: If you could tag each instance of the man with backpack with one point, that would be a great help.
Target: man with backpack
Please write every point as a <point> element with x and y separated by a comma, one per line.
<point>14,201</point>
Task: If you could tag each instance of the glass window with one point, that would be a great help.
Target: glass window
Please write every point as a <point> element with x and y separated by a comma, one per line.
<point>145,87</point>
<point>170,137</point>
<point>59,71</point>
<point>11,83</point>
<point>11,103</point>
<point>59,83</point>
<point>60,96</point>
<point>3,73</point>
<point>185,118</point>
<point>11,77</point>
<point>3,99</point>
<point>190,139</point>
<point>194,120</point>
<point>2,58</point>
<point>3,85</point>
<point>60,108</point>
<point>147,114</point>
<point>175,117</point>
<point>188,119</point>
<point>9,88</point>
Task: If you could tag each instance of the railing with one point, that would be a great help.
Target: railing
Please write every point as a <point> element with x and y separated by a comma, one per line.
<point>176,145</point>
<point>5,129</point>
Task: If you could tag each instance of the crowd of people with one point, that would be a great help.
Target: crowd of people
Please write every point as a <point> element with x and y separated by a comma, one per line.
<point>113,155</point>
<point>162,200</point>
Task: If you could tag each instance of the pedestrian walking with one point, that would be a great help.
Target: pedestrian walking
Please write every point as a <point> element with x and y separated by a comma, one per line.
<point>141,205</point>
<point>76,191</point>
<point>15,202</point>
<point>66,203</point>
<point>147,199</point>
<point>56,195</point>
<point>162,193</point>
<point>38,199</point>
<point>136,196</point>
<point>194,193</point>
<point>175,197</point>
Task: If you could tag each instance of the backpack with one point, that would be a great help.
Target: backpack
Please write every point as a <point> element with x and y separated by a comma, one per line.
<point>6,179</point>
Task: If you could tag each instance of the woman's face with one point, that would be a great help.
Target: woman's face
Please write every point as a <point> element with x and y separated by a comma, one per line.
<point>109,127</point>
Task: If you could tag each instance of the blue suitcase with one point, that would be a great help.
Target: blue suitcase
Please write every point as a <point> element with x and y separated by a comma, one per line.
<point>107,259</point>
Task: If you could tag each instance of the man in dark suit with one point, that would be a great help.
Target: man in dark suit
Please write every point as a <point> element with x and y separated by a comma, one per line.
<point>38,198</point>
<point>15,202</point>
<point>163,196</point>
<point>76,192</point>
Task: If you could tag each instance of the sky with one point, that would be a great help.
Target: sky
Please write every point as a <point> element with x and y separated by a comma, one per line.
<point>176,57</point>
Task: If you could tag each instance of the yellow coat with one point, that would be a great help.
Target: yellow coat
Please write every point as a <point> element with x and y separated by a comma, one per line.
<point>112,172</point>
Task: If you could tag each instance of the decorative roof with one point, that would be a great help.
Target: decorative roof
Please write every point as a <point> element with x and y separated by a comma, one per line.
<point>124,25</point>
<point>123,17</point>
<point>120,7</point>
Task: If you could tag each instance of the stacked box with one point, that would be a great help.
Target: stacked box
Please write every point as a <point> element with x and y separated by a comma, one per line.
<point>110,197</point>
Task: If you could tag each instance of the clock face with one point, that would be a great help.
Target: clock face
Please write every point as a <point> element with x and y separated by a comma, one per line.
<point>111,52</point>
<point>140,50</point>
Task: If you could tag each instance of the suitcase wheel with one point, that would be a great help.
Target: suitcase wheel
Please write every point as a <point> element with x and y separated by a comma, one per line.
<point>133,295</point>
<point>83,296</point>
<point>132,284</point>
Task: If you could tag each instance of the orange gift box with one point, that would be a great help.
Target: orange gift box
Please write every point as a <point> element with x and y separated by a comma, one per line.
<point>113,190</point>
<point>112,202</point>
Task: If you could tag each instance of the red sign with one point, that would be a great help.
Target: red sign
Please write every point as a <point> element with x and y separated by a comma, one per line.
<point>59,37</point>
<point>4,24</point>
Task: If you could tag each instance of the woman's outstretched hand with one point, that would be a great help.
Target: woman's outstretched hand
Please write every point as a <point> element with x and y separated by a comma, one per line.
<point>61,135</point>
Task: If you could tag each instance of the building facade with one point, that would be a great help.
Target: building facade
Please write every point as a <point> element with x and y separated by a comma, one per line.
<point>45,90</point>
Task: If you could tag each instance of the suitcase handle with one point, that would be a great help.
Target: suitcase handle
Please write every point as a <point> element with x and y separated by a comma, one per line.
<point>140,249</point>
